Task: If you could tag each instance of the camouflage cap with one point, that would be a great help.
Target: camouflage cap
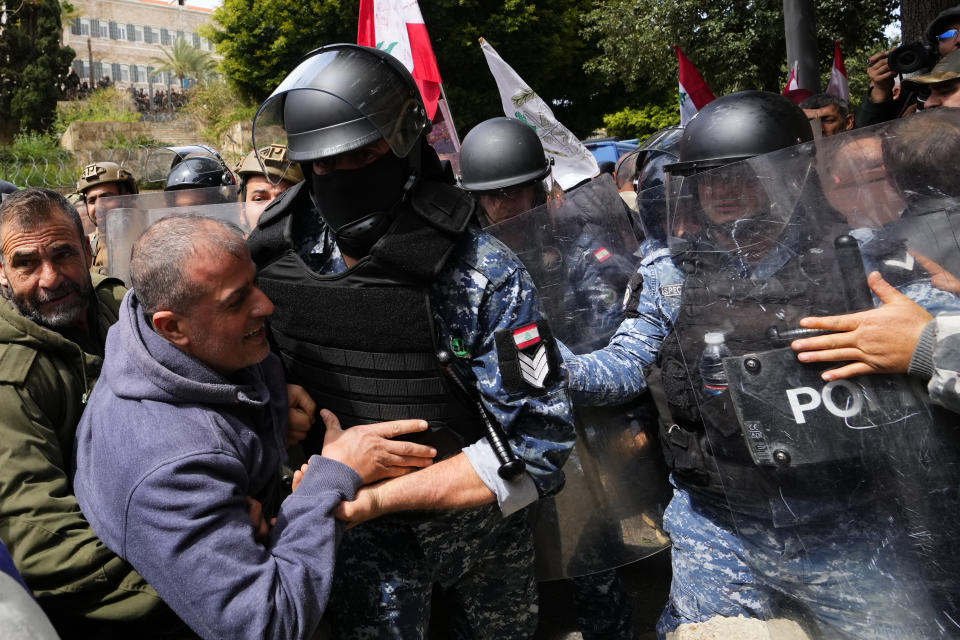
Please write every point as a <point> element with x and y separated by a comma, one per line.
<point>947,69</point>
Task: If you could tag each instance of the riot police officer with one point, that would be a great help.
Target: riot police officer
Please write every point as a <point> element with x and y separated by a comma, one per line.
<point>102,179</point>
<point>503,165</point>
<point>752,536</point>
<point>391,302</point>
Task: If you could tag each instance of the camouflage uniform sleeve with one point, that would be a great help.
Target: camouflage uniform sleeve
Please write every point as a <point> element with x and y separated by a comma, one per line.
<point>937,358</point>
<point>614,374</point>
<point>538,422</point>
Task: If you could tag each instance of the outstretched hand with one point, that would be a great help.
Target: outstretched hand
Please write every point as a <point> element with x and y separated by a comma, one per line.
<point>880,340</point>
<point>368,450</point>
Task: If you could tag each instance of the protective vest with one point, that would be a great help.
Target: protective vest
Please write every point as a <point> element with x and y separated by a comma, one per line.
<point>704,440</point>
<point>363,342</point>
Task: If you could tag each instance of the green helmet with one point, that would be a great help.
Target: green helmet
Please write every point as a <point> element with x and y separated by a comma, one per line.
<point>103,173</point>
<point>276,166</point>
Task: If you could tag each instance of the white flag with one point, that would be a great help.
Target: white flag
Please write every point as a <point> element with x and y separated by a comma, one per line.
<point>573,163</point>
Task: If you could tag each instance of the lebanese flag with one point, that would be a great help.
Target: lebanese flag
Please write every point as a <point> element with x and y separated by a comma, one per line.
<point>396,26</point>
<point>792,84</point>
<point>694,92</point>
<point>838,85</point>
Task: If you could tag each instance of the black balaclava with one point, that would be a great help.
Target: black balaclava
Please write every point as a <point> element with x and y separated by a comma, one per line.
<point>359,205</point>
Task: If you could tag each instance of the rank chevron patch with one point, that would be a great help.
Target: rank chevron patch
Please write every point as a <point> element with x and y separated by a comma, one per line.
<point>534,368</point>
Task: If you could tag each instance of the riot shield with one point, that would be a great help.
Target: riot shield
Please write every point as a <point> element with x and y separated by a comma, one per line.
<point>123,225</point>
<point>842,495</point>
<point>138,204</point>
<point>579,249</point>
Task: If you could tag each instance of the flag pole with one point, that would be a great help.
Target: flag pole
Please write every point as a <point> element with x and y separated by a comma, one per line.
<point>448,116</point>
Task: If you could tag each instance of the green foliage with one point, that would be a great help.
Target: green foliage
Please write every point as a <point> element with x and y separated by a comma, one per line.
<point>639,123</point>
<point>735,45</point>
<point>262,40</point>
<point>36,160</point>
<point>185,61</point>
<point>218,107</point>
<point>104,105</point>
<point>34,65</point>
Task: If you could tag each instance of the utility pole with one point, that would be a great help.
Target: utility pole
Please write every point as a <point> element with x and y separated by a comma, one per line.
<point>799,29</point>
<point>92,85</point>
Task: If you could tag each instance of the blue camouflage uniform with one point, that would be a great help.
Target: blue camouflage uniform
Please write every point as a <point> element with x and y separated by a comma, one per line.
<point>614,375</point>
<point>727,563</point>
<point>482,557</point>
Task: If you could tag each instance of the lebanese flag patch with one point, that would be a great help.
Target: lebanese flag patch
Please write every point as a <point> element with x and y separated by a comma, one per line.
<point>526,336</point>
<point>601,254</point>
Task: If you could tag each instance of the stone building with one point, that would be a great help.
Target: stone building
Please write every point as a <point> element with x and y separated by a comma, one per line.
<point>120,37</point>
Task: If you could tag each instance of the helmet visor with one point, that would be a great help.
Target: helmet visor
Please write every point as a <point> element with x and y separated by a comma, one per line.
<point>340,99</point>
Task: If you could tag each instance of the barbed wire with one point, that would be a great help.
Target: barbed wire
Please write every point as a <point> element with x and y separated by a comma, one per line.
<point>60,171</point>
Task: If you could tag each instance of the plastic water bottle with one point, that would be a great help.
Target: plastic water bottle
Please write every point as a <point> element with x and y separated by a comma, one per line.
<point>711,364</point>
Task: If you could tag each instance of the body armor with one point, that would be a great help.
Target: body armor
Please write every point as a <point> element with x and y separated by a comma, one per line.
<point>363,342</point>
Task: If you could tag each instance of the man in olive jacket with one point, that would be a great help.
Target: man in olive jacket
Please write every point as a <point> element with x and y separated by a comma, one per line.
<point>53,325</point>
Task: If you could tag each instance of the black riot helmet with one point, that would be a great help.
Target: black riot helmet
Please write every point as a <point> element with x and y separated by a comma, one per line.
<point>738,126</point>
<point>339,99</point>
<point>198,172</point>
<point>500,153</point>
<point>192,166</point>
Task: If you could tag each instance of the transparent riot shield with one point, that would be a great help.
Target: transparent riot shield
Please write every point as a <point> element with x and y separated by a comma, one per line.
<point>837,497</point>
<point>580,251</point>
<point>121,226</point>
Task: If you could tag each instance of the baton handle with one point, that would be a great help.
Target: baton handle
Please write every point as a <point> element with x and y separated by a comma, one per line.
<point>510,465</point>
<point>852,274</point>
<point>780,336</point>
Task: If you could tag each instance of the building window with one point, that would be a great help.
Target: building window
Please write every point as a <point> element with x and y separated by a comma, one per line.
<point>196,40</point>
<point>84,27</point>
<point>97,71</point>
<point>138,30</point>
<point>104,29</point>
<point>75,27</point>
<point>121,32</point>
<point>80,68</point>
<point>164,37</point>
<point>131,33</point>
<point>114,71</point>
<point>124,73</point>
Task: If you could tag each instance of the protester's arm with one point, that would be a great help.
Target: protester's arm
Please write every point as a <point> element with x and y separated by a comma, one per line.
<point>52,544</point>
<point>449,484</point>
<point>202,557</point>
<point>937,360</point>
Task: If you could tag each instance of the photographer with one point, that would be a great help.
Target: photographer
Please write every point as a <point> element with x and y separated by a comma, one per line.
<point>940,38</point>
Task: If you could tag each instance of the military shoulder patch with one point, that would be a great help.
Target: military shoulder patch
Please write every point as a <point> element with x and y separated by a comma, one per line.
<point>525,357</point>
<point>601,254</point>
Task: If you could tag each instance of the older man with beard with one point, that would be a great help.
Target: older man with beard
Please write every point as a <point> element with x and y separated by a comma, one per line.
<point>53,325</point>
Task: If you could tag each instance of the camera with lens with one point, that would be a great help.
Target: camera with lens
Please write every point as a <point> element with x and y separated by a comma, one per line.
<point>913,56</point>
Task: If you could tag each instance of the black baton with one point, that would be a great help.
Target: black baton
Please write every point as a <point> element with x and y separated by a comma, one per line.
<point>510,465</point>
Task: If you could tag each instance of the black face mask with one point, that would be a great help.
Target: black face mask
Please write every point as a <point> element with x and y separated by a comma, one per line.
<point>360,204</point>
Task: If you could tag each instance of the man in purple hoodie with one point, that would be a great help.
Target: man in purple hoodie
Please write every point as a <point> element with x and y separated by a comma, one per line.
<point>188,420</point>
